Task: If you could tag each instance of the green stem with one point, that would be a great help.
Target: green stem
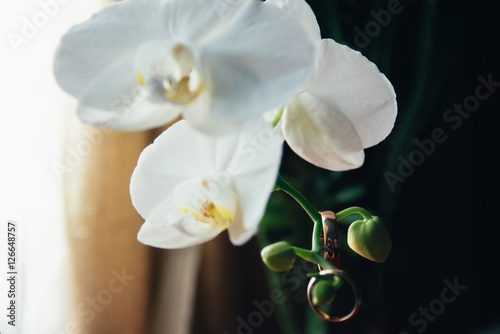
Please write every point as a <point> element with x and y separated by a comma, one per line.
<point>353,210</point>
<point>283,185</point>
<point>318,259</point>
<point>316,238</point>
<point>313,257</point>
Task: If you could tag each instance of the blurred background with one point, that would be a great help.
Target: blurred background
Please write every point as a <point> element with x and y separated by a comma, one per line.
<point>436,199</point>
<point>432,182</point>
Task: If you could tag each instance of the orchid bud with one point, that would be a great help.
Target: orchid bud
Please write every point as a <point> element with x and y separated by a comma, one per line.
<point>323,293</point>
<point>279,256</point>
<point>370,239</point>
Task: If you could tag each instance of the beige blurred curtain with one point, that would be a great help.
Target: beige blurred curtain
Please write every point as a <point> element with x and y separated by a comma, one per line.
<point>118,284</point>
<point>110,270</point>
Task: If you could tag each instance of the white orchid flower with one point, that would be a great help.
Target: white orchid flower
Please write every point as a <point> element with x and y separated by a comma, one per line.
<point>189,187</point>
<point>139,64</point>
<point>347,105</point>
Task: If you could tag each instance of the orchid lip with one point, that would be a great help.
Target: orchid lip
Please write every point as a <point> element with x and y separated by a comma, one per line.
<point>214,216</point>
<point>205,205</point>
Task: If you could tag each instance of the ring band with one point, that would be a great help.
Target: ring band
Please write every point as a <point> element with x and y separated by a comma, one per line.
<point>346,277</point>
<point>330,238</point>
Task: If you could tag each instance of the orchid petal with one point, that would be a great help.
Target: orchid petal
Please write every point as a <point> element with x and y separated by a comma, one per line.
<point>349,83</point>
<point>159,169</point>
<point>238,235</point>
<point>141,115</point>
<point>321,134</point>
<point>169,234</point>
<point>111,36</point>
<point>254,170</point>
<point>260,60</point>
<point>303,13</point>
<point>167,237</point>
<point>210,17</point>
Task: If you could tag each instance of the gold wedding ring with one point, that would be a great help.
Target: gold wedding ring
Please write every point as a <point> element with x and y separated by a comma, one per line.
<point>330,242</point>
<point>347,278</point>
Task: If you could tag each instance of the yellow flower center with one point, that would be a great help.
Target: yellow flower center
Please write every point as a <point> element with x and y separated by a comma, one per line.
<point>215,216</point>
<point>180,92</point>
<point>171,76</point>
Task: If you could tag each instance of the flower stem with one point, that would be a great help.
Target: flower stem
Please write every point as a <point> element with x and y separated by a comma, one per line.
<point>316,238</point>
<point>318,259</point>
<point>353,210</point>
<point>283,185</point>
<point>313,257</point>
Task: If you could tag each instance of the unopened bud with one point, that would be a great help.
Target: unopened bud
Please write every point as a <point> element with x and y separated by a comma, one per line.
<point>278,256</point>
<point>370,239</point>
<point>323,293</point>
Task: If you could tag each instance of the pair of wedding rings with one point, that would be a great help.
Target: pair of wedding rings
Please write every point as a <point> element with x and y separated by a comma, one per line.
<point>331,244</point>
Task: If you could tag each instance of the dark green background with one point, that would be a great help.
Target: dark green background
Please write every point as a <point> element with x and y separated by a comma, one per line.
<point>442,218</point>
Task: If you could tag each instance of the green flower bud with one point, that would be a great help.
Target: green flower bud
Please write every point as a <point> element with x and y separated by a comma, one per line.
<point>323,293</point>
<point>278,256</point>
<point>370,239</point>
